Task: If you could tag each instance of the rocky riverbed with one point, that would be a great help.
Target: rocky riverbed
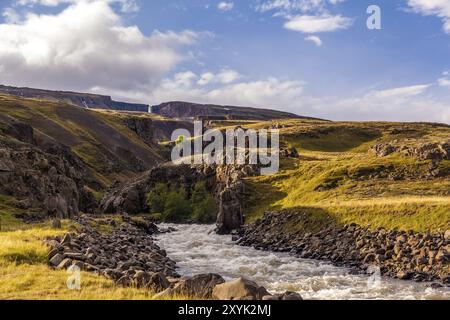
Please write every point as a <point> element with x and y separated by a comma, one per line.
<point>397,254</point>
<point>126,253</point>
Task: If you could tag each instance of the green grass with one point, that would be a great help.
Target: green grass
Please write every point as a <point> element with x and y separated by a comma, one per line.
<point>341,181</point>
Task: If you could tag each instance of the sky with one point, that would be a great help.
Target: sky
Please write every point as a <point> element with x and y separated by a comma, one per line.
<point>311,57</point>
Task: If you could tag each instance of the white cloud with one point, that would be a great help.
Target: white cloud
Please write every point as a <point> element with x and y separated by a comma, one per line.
<point>444,81</point>
<point>314,39</point>
<point>291,5</point>
<point>225,76</point>
<point>307,16</point>
<point>126,5</point>
<point>400,92</point>
<point>225,6</point>
<point>439,8</point>
<point>86,46</point>
<point>270,92</point>
<point>315,24</point>
<point>393,104</point>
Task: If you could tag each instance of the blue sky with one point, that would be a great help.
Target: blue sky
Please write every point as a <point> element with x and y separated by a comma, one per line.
<point>311,57</point>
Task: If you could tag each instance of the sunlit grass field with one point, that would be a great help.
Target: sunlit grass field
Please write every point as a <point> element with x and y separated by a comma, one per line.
<point>336,177</point>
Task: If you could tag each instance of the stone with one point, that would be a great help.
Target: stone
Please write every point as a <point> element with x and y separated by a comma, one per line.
<point>56,260</point>
<point>141,279</point>
<point>66,263</point>
<point>79,264</point>
<point>403,275</point>
<point>239,289</point>
<point>447,235</point>
<point>291,296</point>
<point>66,239</point>
<point>200,286</point>
<point>158,282</point>
<point>124,281</point>
<point>53,253</point>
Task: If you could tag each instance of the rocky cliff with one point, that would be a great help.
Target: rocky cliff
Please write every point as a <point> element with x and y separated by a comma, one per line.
<point>42,174</point>
<point>83,100</point>
<point>56,159</point>
<point>186,110</point>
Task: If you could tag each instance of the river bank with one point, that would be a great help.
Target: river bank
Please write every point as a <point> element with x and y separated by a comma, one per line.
<point>422,257</point>
<point>197,249</point>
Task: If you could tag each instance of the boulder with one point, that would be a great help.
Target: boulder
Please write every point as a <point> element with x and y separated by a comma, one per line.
<point>288,296</point>
<point>239,289</point>
<point>200,286</point>
<point>158,282</point>
<point>56,259</point>
<point>447,235</point>
<point>66,263</point>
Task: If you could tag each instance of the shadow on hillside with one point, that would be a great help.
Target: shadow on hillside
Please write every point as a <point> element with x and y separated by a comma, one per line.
<point>308,219</point>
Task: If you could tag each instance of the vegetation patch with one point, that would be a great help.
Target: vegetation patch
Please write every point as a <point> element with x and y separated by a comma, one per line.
<point>176,204</point>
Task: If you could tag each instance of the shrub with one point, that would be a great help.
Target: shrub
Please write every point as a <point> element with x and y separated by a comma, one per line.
<point>203,204</point>
<point>173,204</point>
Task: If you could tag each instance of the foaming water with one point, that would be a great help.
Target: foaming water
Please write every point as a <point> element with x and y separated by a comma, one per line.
<point>197,249</point>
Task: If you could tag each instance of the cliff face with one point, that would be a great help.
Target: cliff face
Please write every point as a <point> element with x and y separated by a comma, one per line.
<point>53,155</point>
<point>186,110</point>
<point>83,100</point>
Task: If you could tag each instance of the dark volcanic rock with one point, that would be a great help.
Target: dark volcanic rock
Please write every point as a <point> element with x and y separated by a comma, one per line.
<point>48,176</point>
<point>127,255</point>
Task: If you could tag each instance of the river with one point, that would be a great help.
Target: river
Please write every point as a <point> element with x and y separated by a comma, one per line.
<point>197,249</point>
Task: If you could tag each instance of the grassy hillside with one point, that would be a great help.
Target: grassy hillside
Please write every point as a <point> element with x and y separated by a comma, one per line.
<point>337,180</point>
<point>101,139</point>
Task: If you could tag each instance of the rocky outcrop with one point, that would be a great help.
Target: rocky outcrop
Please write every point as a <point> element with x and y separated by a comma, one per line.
<point>142,127</point>
<point>83,100</point>
<point>187,110</point>
<point>48,178</point>
<point>225,183</point>
<point>398,254</point>
<point>426,151</point>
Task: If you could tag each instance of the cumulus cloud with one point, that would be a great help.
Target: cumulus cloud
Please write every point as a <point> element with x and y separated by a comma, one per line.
<point>439,8</point>
<point>86,46</point>
<point>269,92</point>
<point>225,6</point>
<point>444,81</point>
<point>126,5</point>
<point>307,16</point>
<point>314,39</point>
<point>395,104</point>
<point>225,76</point>
<point>315,24</point>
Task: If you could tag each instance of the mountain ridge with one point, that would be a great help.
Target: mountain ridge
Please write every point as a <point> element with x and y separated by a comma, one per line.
<point>83,100</point>
<point>191,110</point>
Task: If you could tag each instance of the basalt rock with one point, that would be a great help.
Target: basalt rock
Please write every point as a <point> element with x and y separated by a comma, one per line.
<point>427,151</point>
<point>127,255</point>
<point>41,173</point>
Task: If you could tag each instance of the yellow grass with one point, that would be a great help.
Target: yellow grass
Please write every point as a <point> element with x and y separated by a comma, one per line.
<point>25,275</point>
